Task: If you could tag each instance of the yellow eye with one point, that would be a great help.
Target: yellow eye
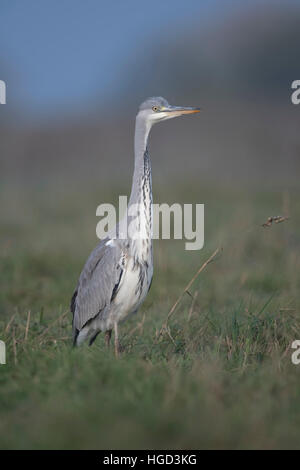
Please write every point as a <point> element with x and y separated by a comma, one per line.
<point>155,108</point>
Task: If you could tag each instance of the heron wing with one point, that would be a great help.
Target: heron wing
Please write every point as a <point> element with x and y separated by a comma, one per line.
<point>97,283</point>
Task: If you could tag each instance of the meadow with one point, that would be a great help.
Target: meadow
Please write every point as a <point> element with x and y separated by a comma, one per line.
<point>219,376</point>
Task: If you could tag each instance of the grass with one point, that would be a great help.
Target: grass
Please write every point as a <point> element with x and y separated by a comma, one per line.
<point>222,378</point>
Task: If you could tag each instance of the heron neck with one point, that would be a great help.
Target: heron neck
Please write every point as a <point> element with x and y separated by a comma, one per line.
<point>142,129</point>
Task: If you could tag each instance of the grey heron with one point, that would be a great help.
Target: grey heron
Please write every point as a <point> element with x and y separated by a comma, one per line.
<point>117,275</point>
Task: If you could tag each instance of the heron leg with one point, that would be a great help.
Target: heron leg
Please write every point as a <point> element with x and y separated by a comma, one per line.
<point>81,336</point>
<point>117,343</point>
<point>107,337</point>
<point>93,338</point>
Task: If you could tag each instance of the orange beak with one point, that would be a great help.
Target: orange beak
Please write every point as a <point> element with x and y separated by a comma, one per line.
<point>179,110</point>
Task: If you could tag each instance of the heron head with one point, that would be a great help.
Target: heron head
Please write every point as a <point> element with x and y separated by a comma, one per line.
<point>158,109</point>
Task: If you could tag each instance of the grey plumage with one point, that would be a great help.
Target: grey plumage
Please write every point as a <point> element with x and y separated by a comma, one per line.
<point>118,273</point>
<point>96,285</point>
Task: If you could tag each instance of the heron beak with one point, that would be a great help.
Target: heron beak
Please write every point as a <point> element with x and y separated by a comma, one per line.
<point>180,110</point>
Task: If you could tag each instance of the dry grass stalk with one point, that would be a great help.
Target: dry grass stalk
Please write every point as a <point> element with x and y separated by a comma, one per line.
<point>193,305</point>
<point>15,347</point>
<point>27,325</point>
<point>164,327</point>
<point>53,323</point>
<point>9,323</point>
<point>139,326</point>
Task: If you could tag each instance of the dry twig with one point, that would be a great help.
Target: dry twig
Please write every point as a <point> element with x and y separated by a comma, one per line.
<point>277,219</point>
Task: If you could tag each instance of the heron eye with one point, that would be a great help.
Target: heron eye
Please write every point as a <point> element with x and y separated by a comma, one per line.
<point>155,108</point>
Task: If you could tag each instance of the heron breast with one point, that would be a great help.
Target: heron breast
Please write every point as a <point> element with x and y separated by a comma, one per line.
<point>133,288</point>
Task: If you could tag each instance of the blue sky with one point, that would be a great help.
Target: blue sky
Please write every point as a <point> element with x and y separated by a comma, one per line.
<point>63,54</point>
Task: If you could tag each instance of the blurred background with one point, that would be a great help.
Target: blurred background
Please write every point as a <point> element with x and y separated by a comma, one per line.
<point>77,71</point>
